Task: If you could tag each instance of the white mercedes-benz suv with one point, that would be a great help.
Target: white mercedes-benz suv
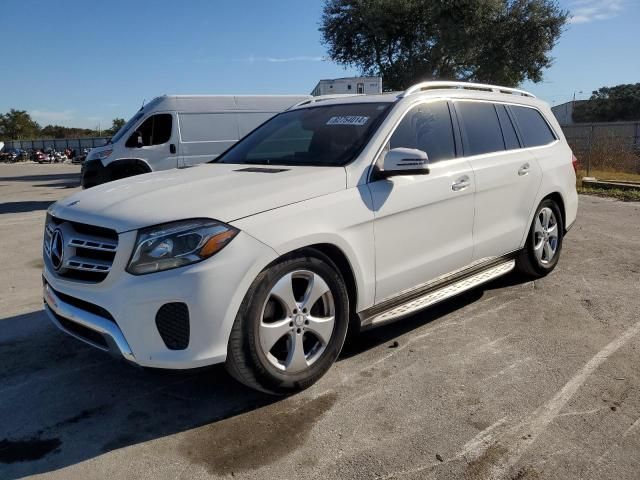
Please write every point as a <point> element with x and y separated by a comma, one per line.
<point>342,213</point>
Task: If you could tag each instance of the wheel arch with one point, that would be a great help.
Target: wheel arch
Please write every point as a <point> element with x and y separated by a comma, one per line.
<point>557,197</point>
<point>342,263</point>
<point>124,162</point>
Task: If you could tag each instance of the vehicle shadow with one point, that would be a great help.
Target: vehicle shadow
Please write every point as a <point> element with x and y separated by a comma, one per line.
<point>44,177</point>
<point>388,333</point>
<point>64,402</point>
<point>24,206</point>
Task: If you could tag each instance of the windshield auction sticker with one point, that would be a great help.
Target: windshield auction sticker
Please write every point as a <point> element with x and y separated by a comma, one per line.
<point>348,120</point>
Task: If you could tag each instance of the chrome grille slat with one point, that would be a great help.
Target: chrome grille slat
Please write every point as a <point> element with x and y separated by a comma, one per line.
<point>87,264</point>
<point>93,243</point>
<point>88,255</point>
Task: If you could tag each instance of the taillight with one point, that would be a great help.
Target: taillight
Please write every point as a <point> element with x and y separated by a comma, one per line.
<point>574,162</point>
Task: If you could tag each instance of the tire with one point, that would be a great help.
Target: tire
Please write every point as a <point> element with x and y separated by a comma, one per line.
<point>539,257</point>
<point>270,334</point>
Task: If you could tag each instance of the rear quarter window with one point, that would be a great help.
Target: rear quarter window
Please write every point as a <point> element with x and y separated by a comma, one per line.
<point>534,129</point>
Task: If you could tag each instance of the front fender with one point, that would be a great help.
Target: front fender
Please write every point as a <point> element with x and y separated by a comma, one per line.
<point>342,219</point>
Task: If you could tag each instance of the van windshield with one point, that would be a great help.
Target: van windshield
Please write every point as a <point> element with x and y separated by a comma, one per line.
<point>326,135</point>
<point>125,128</point>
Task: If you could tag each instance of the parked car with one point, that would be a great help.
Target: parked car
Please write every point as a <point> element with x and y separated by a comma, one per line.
<point>179,131</point>
<point>335,215</point>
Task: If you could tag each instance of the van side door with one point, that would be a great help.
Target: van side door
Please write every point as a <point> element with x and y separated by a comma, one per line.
<point>507,177</point>
<point>154,141</point>
<point>423,223</point>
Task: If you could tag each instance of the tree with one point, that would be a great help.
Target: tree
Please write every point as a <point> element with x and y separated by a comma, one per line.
<point>610,104</point>
<point>406,41</point>
<point>58,131</point>
<point>116,125</point>
<point>17,125</point>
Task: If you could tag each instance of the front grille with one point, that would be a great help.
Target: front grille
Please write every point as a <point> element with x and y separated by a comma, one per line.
<point>81,331</point>
<point>88,251</point>
<point>172,321</point>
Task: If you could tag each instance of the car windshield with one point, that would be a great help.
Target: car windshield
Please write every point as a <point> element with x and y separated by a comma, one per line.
<point>123,130</point>
<point>326,135</point>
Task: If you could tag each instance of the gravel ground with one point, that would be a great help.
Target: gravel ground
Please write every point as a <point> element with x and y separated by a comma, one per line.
<point>516,380</point>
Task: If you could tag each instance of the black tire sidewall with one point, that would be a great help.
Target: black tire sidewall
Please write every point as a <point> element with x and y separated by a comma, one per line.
<point>540,268</point>
<point>269,377</point>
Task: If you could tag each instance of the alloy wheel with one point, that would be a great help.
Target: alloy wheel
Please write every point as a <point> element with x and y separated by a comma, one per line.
<point>297,321</point>
<point>545,241</point>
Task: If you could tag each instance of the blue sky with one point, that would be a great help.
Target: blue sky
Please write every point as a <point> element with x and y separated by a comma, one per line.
<point>82,63</point>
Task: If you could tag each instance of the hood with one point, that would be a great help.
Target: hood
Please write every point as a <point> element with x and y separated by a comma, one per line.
<point>224,192</point>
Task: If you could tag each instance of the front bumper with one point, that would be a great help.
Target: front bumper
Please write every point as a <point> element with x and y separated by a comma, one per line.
<point>119,314</point>
<point>85,325</point>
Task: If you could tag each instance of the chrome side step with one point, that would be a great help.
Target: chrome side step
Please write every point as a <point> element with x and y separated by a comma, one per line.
<point>376,316</point>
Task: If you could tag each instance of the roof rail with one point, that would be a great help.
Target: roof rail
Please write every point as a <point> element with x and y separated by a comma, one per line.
<point>321,98</point>
<point>422,86</point>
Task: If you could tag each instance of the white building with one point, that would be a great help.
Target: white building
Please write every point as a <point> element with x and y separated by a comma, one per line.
<point>348,85</point>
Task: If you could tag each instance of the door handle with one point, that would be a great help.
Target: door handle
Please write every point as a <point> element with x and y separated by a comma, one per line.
<point>172,148</point>
<point>524,169</point>
<point>461,183</point>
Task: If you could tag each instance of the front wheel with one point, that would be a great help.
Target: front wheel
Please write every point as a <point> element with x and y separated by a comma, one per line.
<point>291,325</point>
<point>544,243</point>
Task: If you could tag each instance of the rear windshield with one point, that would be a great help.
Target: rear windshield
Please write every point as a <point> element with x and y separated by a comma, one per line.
<point>330,135</point>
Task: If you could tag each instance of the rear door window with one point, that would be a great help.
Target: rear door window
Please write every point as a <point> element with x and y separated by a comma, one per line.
<point>427,127</point>
<point>481,131</point>
<point>508,131</point>
<point>533,127</point>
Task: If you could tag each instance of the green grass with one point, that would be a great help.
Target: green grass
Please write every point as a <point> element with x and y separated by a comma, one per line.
<point>610,175</point>
<point>623,195</point>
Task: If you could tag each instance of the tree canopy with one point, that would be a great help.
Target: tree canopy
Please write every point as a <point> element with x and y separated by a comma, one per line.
<point>116,125</point>
<point>610,104</point>
<point>407,41</point>
<point>18,125</point>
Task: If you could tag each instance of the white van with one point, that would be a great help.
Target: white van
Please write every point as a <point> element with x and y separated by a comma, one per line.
<point>179,131</point>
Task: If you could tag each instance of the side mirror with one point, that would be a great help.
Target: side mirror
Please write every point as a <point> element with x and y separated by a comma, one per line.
<point>405,161</point>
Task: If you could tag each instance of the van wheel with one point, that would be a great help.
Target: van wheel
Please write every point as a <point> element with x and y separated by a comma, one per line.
<point>544,243</point>
<point>291,325</point>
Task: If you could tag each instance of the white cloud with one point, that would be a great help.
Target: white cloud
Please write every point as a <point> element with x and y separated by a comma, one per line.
<point>300,58</point>
<point>585,11</point>
<point>47,117</point>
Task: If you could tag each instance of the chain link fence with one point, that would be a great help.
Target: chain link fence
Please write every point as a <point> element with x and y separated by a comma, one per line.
<point>606,146</point>
<point>56,143</point>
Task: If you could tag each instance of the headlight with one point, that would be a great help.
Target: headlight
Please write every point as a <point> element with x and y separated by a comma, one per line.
<point>102,155</point>
<point>177,244</point>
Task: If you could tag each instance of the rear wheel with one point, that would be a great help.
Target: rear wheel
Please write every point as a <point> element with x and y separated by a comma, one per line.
<point>291,325</point>
<point>544,243</point>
